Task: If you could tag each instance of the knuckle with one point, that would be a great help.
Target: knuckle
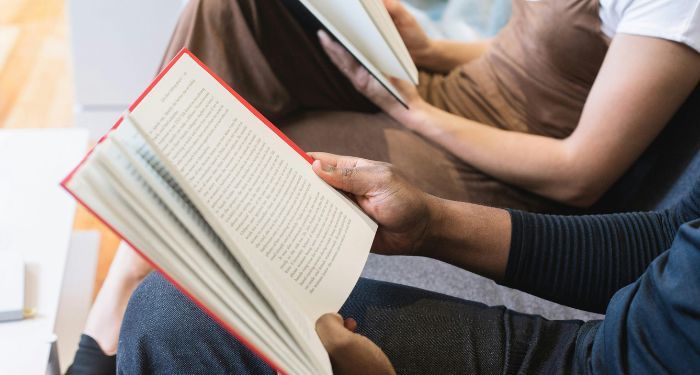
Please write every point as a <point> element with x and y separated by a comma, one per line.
<point>360,85</point>
<point>348,176</point>
<point>348,173</point>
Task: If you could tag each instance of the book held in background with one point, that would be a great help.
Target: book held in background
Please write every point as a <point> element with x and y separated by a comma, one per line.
<point>366,30</point>
<point>230,211</point>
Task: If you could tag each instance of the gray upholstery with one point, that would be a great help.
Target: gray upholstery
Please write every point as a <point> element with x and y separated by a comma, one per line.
<point>443,278</point>
<point>662,176</point>
<point>683,185</point>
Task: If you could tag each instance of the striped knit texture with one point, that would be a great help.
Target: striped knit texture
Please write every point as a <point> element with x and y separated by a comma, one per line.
<point>581,261</point>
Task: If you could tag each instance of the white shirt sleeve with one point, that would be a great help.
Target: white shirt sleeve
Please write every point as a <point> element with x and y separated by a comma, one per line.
<point>676,20</point>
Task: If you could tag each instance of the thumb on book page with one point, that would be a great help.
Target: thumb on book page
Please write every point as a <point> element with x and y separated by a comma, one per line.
<point>357,180</point>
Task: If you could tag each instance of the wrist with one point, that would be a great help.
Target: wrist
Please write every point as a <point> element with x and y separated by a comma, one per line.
<point>473,237</point>
<point>450,229</point>
<point>436,212</point>
<point>419,116</point>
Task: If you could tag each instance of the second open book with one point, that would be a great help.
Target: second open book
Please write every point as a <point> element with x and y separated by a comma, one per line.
<point>230,211</point>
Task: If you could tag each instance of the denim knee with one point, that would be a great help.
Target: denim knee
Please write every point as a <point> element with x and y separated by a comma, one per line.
<point>164,332</point>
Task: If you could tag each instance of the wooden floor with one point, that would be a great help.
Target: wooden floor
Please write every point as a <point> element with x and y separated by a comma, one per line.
<point>36,85</point>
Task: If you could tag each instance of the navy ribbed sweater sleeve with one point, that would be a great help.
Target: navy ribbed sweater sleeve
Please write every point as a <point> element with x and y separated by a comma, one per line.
<point>581,261</point>
<point>652,325</point>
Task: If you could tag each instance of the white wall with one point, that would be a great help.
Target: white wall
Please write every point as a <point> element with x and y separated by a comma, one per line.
<point>117,48</point>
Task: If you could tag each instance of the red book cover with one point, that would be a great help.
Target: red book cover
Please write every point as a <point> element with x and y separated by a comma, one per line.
<point>262,118</point>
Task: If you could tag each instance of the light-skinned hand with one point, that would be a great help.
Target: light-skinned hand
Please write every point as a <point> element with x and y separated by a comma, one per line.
<point>366,84</point>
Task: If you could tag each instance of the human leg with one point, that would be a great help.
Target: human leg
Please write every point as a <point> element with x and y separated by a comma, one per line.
<point>420,331</point>
<point>165,333</point>
<point>262,52</point>
<point>98,343</point>
<point>426,165</point>
<point>424,332</point>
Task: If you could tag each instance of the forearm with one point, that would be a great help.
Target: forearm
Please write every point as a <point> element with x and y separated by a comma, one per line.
<point>98,345</point>
<point>542,165</point>
<point>469,236</point>
<point>621,117</point>
<point>107,312</point>
<point>581,261</point>
<point>445,55</point>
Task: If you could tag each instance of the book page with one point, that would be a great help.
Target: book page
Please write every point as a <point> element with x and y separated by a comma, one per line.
<point>381,18</point>
<point>117,192</point>
<point>301,241</point>
<point>163,188</point>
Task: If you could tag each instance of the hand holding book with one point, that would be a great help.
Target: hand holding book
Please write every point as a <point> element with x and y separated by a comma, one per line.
<point>406,113</point>
<point>433,55</point>
<point>404,215</point>
<point>419,45</point>
<point>402,211</point>
<point>351,353</point>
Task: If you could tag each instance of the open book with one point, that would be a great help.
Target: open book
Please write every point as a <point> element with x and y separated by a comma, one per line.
<point>229,210</point>
<point>365,29</point>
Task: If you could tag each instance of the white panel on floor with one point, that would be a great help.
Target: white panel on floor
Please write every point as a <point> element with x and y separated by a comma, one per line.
<point>76,293</point>
<point>36,219</point>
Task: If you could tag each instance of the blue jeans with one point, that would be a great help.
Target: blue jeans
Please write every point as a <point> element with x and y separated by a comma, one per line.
<point>421,332</point>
